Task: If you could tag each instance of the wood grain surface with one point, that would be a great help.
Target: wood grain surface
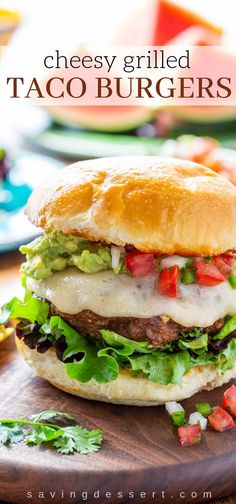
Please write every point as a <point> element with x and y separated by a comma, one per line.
<point>140,452</point>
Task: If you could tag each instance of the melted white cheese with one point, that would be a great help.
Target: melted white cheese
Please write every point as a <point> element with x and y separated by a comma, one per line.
<point>108,295</point>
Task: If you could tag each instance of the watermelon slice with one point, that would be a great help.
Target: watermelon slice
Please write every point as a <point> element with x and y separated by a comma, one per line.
<point>107,118</point>
<point>158,22</point>
<point>222,58</point>
<point>172,19</point>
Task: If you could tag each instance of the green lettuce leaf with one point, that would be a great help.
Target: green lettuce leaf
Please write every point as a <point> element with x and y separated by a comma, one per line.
<point>124,346</point>
<point>197,345</point>
<point>227,357</point>
<point>101,359</point>
<point>228,328</point>
<point>163,368</point>
<point>92,365</point>
<point>31,308</point>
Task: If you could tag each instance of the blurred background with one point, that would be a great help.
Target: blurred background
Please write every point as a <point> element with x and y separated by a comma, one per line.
<point>35,143</point>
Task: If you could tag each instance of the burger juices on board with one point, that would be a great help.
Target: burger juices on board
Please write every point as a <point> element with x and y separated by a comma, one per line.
<point>130,293</point>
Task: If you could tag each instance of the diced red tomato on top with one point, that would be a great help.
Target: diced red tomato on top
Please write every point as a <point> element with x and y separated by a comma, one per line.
<point>190,435</point>
<point>222,264</point>
<point>229,400</point>
<point>220,420</point>
<point>140,264</point>
<point>168,281</point>
<point>207,274</point>
<point>228,259</point>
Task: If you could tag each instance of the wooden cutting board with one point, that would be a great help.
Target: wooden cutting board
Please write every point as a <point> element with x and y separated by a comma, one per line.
<point>140,453</point>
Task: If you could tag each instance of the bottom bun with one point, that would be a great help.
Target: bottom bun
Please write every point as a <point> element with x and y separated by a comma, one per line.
<point>126,389</point>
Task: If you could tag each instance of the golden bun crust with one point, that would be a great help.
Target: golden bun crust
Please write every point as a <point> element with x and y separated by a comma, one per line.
<point>126,389</point>
<point>161,205</point>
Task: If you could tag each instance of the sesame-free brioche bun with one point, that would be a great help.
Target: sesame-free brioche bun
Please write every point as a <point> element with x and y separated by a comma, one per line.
<point>161,205</point>
<point>126,389</point>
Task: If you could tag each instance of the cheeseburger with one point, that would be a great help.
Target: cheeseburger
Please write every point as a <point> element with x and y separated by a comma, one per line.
<point>131,290</point>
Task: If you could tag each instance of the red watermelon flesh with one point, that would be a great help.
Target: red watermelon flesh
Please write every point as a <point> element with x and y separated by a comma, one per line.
<point>172,19</point>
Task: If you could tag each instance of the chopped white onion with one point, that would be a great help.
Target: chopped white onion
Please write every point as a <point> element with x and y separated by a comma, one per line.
<point>172,407</point>
<point>115,255</point>
<point>196,418</point>
<point>172,260</point>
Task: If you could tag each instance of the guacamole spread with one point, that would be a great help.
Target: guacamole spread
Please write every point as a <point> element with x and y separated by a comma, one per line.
<point>55,252</point>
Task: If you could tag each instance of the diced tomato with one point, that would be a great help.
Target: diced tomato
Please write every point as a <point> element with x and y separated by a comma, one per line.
<point>229,400</point>
<point>228,259</point>
<point>222,265</point>
<point>140,264</point>
<point>207,273</point>
<point>198,261</point>
<point>168,281</point>
<point>220,420</point>
<point>190,435</point>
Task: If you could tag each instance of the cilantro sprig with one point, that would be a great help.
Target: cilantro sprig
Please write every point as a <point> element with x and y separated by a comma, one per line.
<point>37,430</point>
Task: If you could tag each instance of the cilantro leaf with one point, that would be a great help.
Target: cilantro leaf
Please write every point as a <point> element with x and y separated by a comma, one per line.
<point>78,439</point>
<point>50,413</point>
<point>65,445</point>
<point>43,434</point>
<point>10,433</point>
<point>66,439</point>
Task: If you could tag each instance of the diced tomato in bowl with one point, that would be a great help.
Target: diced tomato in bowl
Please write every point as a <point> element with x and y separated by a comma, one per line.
<point>229,400</point>
<point>220,420</point>
<point>190,435</point>
<point>140,264</point>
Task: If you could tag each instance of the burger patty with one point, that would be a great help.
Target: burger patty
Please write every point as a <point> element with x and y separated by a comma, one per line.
<point>157,330</point>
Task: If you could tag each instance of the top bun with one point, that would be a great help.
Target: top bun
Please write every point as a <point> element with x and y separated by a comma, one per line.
<point>161,205</point>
